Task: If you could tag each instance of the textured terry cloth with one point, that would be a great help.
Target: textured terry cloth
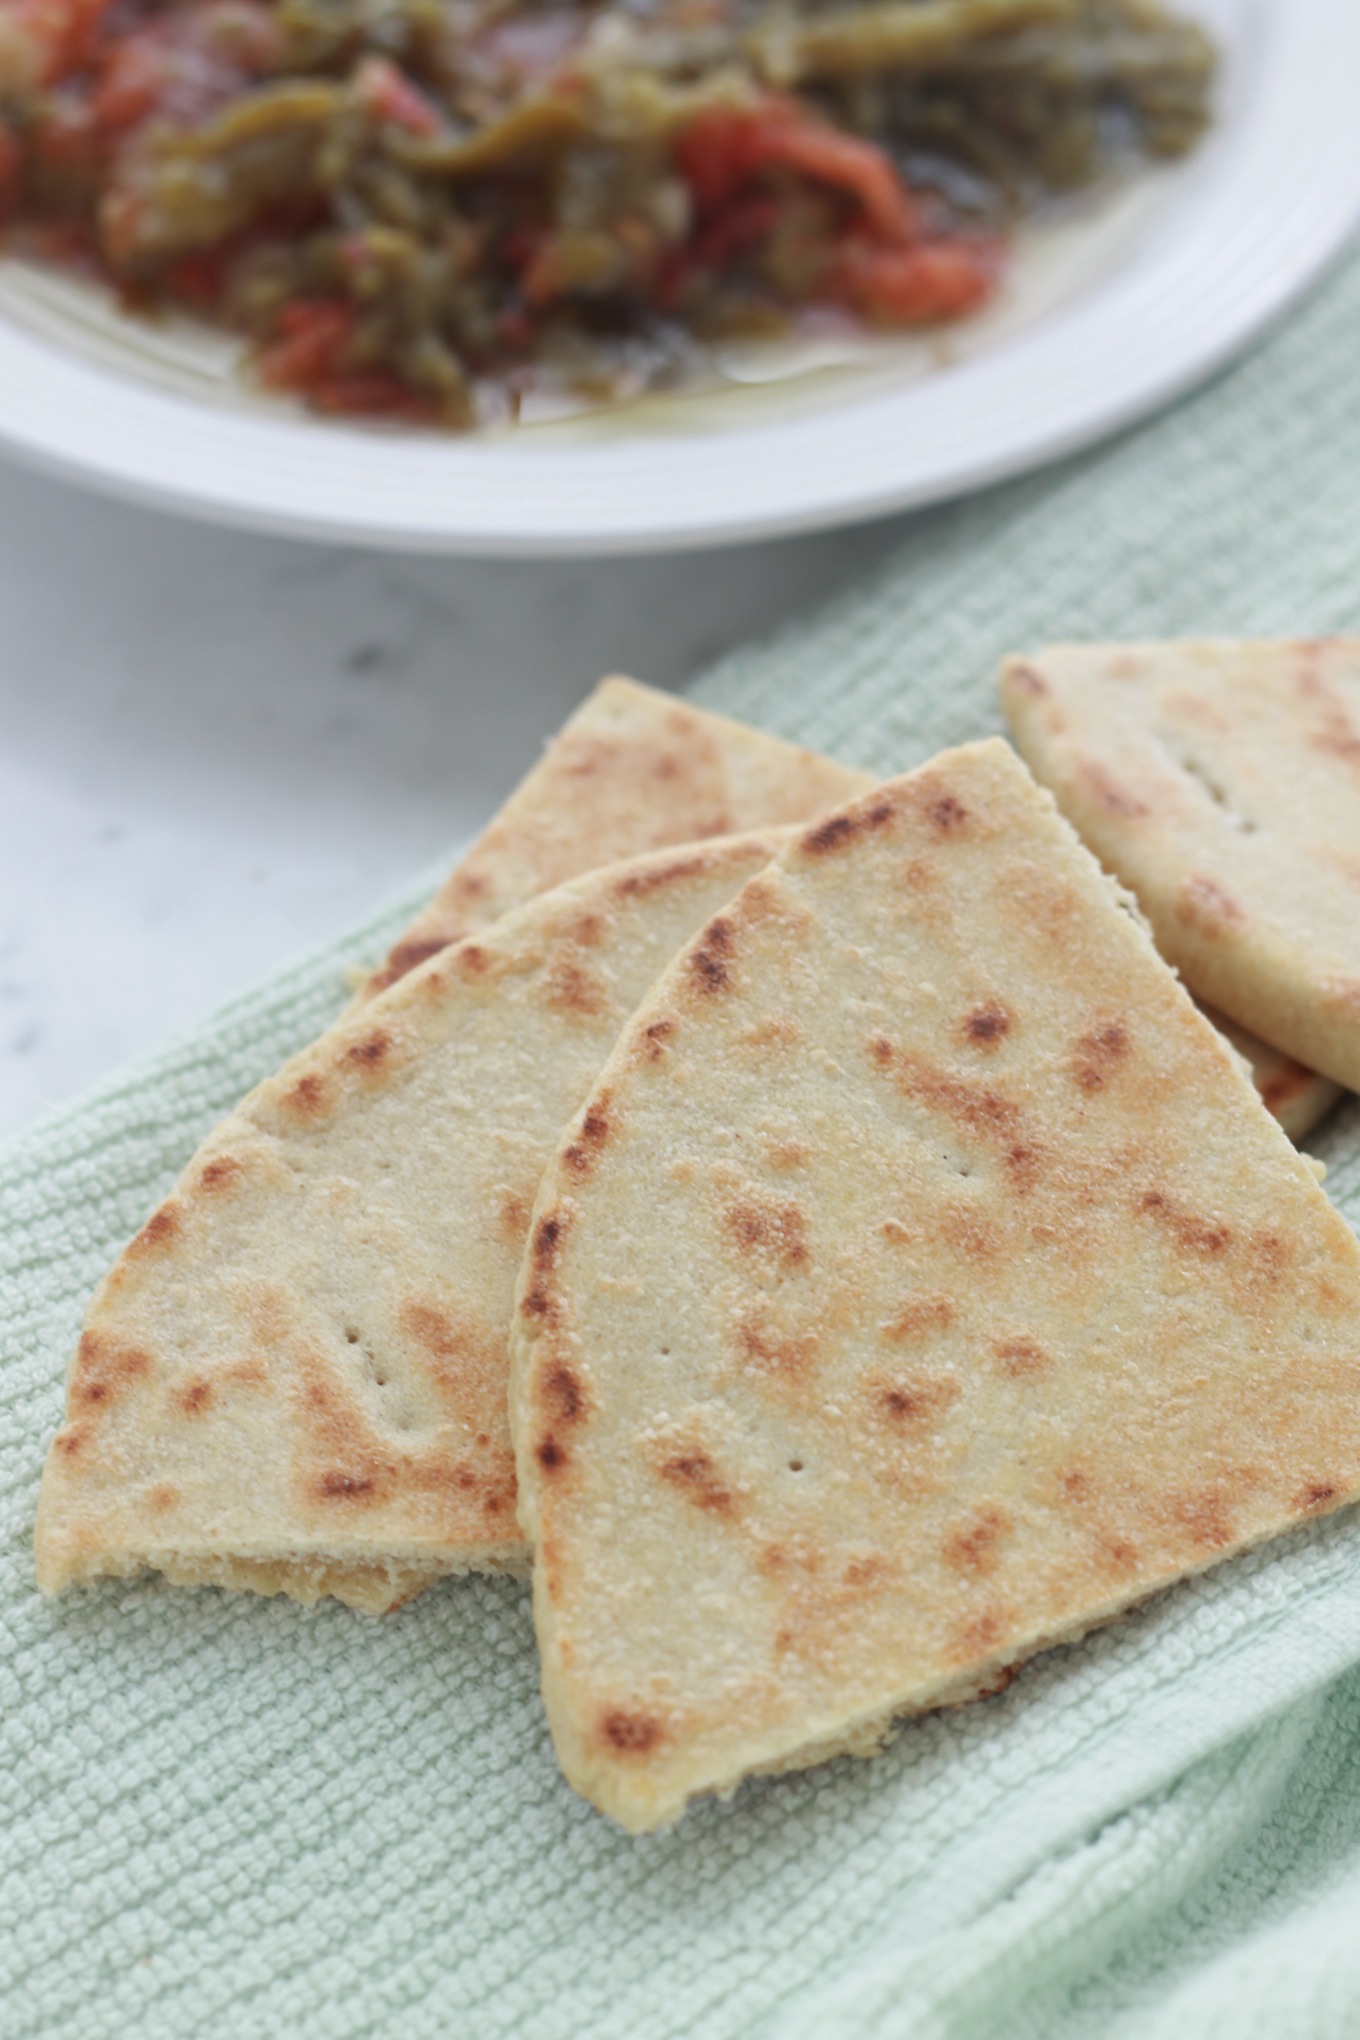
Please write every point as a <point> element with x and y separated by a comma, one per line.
<point>228,1816</point>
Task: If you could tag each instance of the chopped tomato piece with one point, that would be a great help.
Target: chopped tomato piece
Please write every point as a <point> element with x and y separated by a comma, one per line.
<point>312,337</point>
<point>725,147</point>
<point>45,39</point>
<point>389,93</point>
<point>919,286</point>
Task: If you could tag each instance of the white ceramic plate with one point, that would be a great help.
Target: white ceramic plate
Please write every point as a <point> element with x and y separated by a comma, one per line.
<point>1110,316</point>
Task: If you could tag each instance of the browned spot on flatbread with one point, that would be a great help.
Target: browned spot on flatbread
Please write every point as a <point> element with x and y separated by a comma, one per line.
<point>160,1229</point>
<point>1020,1357</point>
<point>551,1454</point>
<point>969,1232</point>
<point>580,1157</point>
<point>1207,1236</point>
<point>839,831</point>
<point>360,1486</point>
<point>974,1545</point>
<point>639,885</point>
<point>220,1173</point>
<point>471,960</point>
<point>163,1497</point>
<point>1098,1054</point>
<point>547,1238</point>
<point>1026,680</point>
<point>784,1155</point>
<point>1119,1554</point>
<point>630,1732</point>
<point>948,814</point>
<point>777,1030</point>
<point>1206,1518</point>
<point>768,1230</point>
<point>513,1216</point>
<point>431,1328</point>
<point>710,959</point>
<point>977,1636</point>
<point>1107,792</point>
<point>307,1098</point>
<point>372,1052</point>
<point>912,1402</point>
<point>589,930</point>
<point>1268,1255</point>
<point>917,1316</point>
<point>69,1440</point>
<point>574,991</point>
<point>862,1575</point>
<point>405,956</point>
<point>196,1396</point>
<point>104,1368</point>
<point>785,1355</point>
<point>655,1036</point>
<point>983,1109</point>
<point>987,1026</point>
<point>1207,906</point>
<point>561,1394</point>
<point>698,1478</point>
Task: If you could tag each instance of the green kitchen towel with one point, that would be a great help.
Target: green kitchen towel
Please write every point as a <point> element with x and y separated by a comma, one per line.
<point>240,1818</point>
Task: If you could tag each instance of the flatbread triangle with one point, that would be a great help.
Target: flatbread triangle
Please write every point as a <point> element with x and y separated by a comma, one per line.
<point>293,1380</point>
<point>632,770</point>
<point>1221,782</point>
<point>937,1289</point>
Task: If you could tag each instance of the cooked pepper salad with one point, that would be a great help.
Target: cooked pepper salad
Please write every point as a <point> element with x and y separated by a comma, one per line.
<point>421,209</point>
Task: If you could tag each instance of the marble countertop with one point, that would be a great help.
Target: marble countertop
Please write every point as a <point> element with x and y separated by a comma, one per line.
<point>217,748</point>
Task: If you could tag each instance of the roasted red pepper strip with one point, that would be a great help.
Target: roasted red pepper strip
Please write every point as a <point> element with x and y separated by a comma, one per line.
<point>724,148</point>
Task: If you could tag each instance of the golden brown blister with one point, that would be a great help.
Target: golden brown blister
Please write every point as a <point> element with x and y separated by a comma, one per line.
<point>633,770</point>
<point>294,1379</point>
<point>937,1288</point>
<point>1221,782</point>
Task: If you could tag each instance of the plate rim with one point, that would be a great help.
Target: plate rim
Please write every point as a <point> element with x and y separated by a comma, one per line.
<point>300,478</point>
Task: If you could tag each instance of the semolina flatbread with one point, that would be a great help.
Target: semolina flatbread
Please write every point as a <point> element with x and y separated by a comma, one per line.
<point>294,1379</point>
<point>633,770</point>
<point>1221,782</point>
<point>935,1288</point>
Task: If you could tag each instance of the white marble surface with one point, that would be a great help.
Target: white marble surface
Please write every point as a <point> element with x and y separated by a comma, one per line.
<point>217,748</point>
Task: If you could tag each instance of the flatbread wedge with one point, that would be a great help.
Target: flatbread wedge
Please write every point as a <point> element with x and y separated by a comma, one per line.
<point>633,770</point>
<point>294,1379</point>
<point>1221,782</point>
<point>937,1288</point>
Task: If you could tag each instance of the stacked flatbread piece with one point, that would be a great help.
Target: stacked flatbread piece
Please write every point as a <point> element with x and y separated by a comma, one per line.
<point>937,1289</point>
<point>908,1290</point>
<point>1221,782</point>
